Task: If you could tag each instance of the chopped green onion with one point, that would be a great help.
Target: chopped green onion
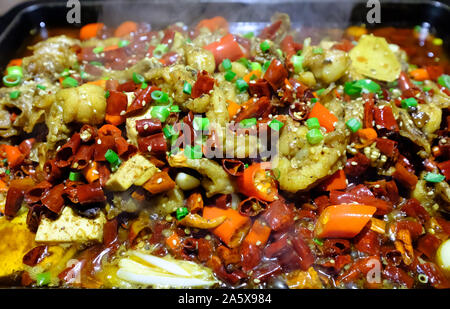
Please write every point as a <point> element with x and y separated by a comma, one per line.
<point>115,166</point>
<point>226,64</point>
<point>314,136</point>
<point>353,124</point>
<point>74,176</point>
<point>246,165</point>
<point>318,241</point>
<point>182,212</point>
<point>247,123</point>
<point>362,85</point>
<point>437,41</point>
<point>107,94</point>
<point>160,96</point>
<point>83,75</point>
<point>7,172</point>
<point>299,52</point>
<point>65,72</point>
<point>444,80</point>
<point>245,62</point>
<point>433,177</point>
<point>266,65</point>
<point>418,83</point>
<point>187,88</point>
<point>279,52</point>
<point>138,78</point>
<point>265,46</point>
<point>417,28</point>
<point>98,50</point>
<point>409,102</point>
<point>42,87</point>
<point>96,63</point>
<point>193,152</point>
<point>255,66</point>
<point>249,35</point>
<point>43,278</point>
<point>241,85</point>
<point>11,80</point>
<point>317,50</point>
<point>15,70</point>
<point>123,43</point>
<point>422,278</point>
<point>426,88</point>
<point>168,131</point>
<point>201,124</point>
<point>229,75</point>
<point>111,156</point>
<point>69,82</point>
<point>160,50</point>
<point>144,85</point>
<point>160,112</point>
<point>14,94</point>
<point>175,109</point>
<point>313,123</point>
<point>314,100</point>
<point>276,125</point>
<point>297,62</point>
<point>320,91</point>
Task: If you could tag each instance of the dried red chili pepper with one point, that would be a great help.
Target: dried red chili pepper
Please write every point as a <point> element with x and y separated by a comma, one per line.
<point>26,145</point>
<point>388,147</point>
<point>142,99</point>
<point>428,245</point>
<point>203,85</point>
<point>233,167</point>
<point>83,156</point>
<point>252,206</point>
<point>53,172</point>
<point>15,195</point>
<point>34,194</point>
<point>275,74</point>
<point>270,31</point>
<point>367,242</point>
<point>254,109</point>
<point>404,176</point>
<point>53,199</point>
<point>90,193</point>
<point>384,119</point>
<point>357,165</point>
<point>413,208</point>
<point>116,103</point>
<point>146,127</point>
<point>398,275</point>
<point>35,255</point>
<point>333,247</point>
<point>279,215</point>
<point>64,155</point>
<point>155,144</point>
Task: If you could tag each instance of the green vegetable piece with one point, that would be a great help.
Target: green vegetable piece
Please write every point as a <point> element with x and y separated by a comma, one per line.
<point>353,124</point>
<point>138,78</point>
<point>444,80</point>
<point>69,82</point>
<point>276,125</point>
<point>314,136</point>
<point>409,102</point>
<point>248,123</point>
<point>313,123</point>
<point>229,75</point>
<point>241,85</point>
<point>433,177</point>
<point>193,152</point>
<point>226,64</point>
<point>265,46</point>
<point>182,212</point>
<point>187,88</point>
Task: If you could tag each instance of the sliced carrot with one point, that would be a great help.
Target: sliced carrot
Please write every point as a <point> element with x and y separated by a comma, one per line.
<point>173,241</point>
<point>213,24</point>
<point>158,183</point>
<point>325,117</point>
<point>15,62</point>
<point>91,172</point>
<point>258,234</point>
<point>367,136</point>
<point>12,154</point>
<point>343,221</point>
<point>338,181</point>
<point>112,47</point>
<point>420,74</point>
<point>126,28</point>
<point>114,119</point>
<point>100,83</point>
<point>233,108</point>
<point>3,186</point>
<point>90,30</point>
<point>233,229</point>
<point>248,76</point>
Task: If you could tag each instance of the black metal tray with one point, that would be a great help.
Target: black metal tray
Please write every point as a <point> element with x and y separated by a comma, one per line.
<point>244,15</point>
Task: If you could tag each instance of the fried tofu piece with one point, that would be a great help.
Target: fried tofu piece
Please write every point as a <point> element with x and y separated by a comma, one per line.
<point>136,170</point>
<point>71,228</point>
<point>15,241</point>
<point>373,58</point>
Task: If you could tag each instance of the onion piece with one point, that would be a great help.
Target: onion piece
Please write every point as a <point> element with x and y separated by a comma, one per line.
<point>170,267</point>
<point>186,181</point>
<point>161,280</point>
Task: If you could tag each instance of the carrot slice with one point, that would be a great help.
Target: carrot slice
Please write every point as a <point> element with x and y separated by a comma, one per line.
<point>3,186</point>
<point>126,28</point>
<point>258,234</point>
<point>100,83</point>
<point>158,183</point>
<point>233,108</point>
<point>338,181</point>
<point>420,74</point>
<point>15,62</point>
<point>367,136</point>
<point>233,229</point>
<point>90,30</point>
<point>91,173</point>
<point>114,119</point>
<point>343,221</point>
<point>325,117</point>
<point>213,24</point>
<point>173,241</point>
<point>248,76</point>
<point>12,154</point>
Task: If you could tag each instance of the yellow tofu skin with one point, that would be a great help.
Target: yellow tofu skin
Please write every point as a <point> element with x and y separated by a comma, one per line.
<point>136,170</point>
<point>15,241</point>
<point>373,58</point>
<point>71,228</point>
